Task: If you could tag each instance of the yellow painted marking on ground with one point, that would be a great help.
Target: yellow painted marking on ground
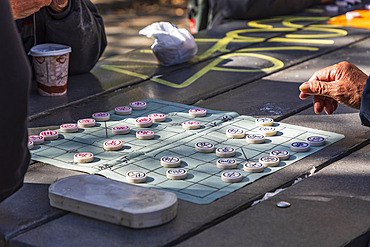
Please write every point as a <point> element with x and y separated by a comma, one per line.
<point>236,36</point>
<point>211,66</point>
<point>277,63</point>
<point>233,36</point>
<point>310,41</point>
<point>258,24</point>
<point>240,36</point>
<point>236,33</point>
<point>220,45</point>
<point>206,40</point>
<point>186,83</point>
<point>127,72</point>
<point>280,48</point>
<point>331,32</point>
<point>289,21</point>
<point>146,51</point>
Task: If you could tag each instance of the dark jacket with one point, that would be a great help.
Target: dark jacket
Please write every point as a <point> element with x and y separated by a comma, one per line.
<point>365,105</point>
<point>15,74</point>
<point>79,26</point>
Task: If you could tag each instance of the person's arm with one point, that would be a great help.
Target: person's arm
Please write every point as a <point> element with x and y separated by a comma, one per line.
<point>15,74</point>
<point>79,26</point>
<point>341,83</point>
<point>24,8</point>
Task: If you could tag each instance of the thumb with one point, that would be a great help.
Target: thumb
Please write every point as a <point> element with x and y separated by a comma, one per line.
<point>305,88</point>
<point>316,87</point>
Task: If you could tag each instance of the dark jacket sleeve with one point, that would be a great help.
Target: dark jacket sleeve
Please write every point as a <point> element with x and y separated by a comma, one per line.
<point>15,74</point>
<point>80,27</point>
<point>365,105</point>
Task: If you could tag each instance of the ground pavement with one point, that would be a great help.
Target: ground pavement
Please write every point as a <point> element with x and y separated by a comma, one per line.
<point>250,67</point>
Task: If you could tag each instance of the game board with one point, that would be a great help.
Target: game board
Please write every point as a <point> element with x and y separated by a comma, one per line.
<point>203,184</point>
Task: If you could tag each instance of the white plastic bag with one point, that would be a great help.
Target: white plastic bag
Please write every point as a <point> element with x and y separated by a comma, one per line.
<point>172,45</point>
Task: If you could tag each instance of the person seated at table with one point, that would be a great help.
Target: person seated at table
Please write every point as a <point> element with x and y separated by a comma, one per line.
<point>75,23</point>
<point>15,74</point>
<point>342,83</point>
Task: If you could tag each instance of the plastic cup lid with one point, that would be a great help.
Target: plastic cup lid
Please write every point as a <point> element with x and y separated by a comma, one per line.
<point>49,50</point>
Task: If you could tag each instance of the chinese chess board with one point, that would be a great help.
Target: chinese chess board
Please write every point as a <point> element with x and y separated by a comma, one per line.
<point>203,183</point>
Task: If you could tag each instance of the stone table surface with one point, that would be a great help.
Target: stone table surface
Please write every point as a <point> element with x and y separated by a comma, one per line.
<point>328,190</point>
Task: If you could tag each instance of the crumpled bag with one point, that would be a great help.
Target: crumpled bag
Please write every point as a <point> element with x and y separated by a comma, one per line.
<point>172,45</point>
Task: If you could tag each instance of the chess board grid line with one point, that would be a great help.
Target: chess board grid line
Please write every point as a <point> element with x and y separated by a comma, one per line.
<point>174,141</point>
<point>193,183</point>
<point>210,128</point>
<point>208,198</point>
<point>195,158</point>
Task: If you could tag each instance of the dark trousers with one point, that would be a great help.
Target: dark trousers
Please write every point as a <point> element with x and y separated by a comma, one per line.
<point>15,79</point>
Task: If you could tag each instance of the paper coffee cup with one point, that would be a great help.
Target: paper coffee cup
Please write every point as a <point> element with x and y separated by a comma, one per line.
<point>51,68</point>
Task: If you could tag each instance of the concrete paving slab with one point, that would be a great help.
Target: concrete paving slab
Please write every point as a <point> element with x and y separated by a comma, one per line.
<point>41,173</point>
<point>29,207</point>
<point>263,97</point>
<point>193,218</point>
<point>78,87</point>
<point>328,209</point>
<point>24,210</point>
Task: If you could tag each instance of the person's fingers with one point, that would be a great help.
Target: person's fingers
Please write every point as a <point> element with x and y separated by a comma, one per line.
<point>335,103</point>
<point>305,90</point>
<point>315,87</point>
<point>343,83</point>
<point>320,88</point>
<point>329,106</point>
<point>321,103</point>
<point>318,107</point>
<point>304,96</point>
<point>318,104</point>
<point>305,87</point>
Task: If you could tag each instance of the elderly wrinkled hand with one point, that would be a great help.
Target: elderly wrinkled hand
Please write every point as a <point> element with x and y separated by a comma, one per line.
<point>24,8</point>
<point>341,83</point>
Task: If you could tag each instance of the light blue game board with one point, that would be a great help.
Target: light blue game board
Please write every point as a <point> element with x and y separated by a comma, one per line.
<point>203,184</point>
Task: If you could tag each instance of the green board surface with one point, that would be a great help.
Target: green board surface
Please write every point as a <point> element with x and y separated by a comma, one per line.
<point>203,183</point>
